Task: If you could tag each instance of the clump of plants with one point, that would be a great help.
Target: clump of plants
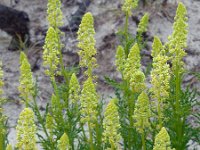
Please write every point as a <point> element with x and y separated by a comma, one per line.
<point>76,117</point>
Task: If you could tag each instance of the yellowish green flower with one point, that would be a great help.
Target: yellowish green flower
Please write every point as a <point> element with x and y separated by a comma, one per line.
<point>132,70</point>
<point>74,89</point>
<point>9,147</point>
<point>111,125</point>
<point>142,113</point>
<point>26,87</point>
<point>162,141</point>
<point>160,77</point>
<point>142,27</point>
<point>26,130</point>
<point>87,44</point>
<point>49,122</point>
<point>63,143</point>
<point>129,5</point>
<point>51,52</point>
<point>54,12</point>
<point>178,40</point>
<point>120,58</point>
<point>157,47</point>
<point>89,102</point>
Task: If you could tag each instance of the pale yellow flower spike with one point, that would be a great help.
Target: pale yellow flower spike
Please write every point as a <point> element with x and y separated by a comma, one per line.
<point>111,126</point>
<point>26,87</point>
<point>89,102</point>
<point>63,143</point>
<point>160,77</point>
<point>142,113</point>
<point>178,40</point>
<point>162,141</point>
<point>87,44</point>
<point>129,5</point>
<point>26,130</point>
<point>132,70</point>
<point>74,89</point>
<point>142,26</point>
<point>54,12</point>
<point>120,59</point>
<point>51,52</point>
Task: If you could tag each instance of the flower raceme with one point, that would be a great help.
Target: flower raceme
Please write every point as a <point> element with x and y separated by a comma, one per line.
<point>87,44</point>
<point>120,58</point>
<point>89,102</point>
<point>74,89</point>
<point>142,113</point>
<point>129,5</point>
<point>160,78</point>
<point>54,12</point>
<point>111,125</point>
<point>178,40</point>
<point>26,130</point>
<point>132,70</point>
<point>51,52</point>
<point>162,141</point>
<point>26,87</point>
<point>142,26</point>
<point>63,143</point>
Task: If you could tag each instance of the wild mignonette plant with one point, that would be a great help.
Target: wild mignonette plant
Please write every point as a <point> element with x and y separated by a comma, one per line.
<point>76,118</point>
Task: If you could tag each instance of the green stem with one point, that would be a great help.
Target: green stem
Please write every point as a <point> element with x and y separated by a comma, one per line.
<point>143,141</point>
<point>42,122</point>
<point>159,114</point>
<point>126,36</point>
<point>90,137</point>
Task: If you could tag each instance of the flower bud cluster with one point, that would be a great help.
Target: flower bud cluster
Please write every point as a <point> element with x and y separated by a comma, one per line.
<point>26,87</point>
<point>87,44</point>
<point>132,70</point>
<point>26,130</point>
<point>142,113</point>
<point>111,125</point>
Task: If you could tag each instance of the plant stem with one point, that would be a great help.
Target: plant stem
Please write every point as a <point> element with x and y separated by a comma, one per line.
<point>126,36</point>
<point>42,122</point>
<point>159,114</point>
<point>143,141</point>
<point>90,137</point>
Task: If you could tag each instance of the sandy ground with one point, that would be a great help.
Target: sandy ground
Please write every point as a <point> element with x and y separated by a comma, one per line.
<point>108,19</point>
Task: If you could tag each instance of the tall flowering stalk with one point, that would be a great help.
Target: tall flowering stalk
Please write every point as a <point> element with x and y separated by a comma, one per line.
<point>89,103</point>
<point>89,97</point>
<point>160,77</point>
<point>177,43</point>
<point>26,130</point>
<point>111,126</point>
<point>162,141</point>
<point>127,7</point>
<point>142,116</point>
<point>26,87</point>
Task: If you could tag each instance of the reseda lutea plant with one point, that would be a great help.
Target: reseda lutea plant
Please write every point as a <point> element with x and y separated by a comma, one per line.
<point>75,118</point>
